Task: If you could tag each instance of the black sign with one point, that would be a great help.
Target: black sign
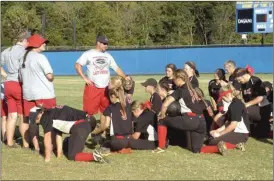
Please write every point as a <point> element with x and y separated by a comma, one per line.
<point>244,20</point>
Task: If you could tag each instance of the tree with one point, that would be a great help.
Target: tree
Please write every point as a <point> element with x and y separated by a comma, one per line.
<point>16,19</point>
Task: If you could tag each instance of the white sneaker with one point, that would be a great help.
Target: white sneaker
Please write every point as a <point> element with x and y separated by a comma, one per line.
<point>99,158</point>
<point>158,150</point>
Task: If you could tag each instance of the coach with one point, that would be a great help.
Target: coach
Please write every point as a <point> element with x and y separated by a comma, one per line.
<point>98,62</point>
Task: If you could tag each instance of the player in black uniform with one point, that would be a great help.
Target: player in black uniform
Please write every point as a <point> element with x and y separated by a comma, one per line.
<point>118,120</point>
<point>129,86</point>
<point>192,73</point>
<point>191,108</point>
<point>145,135</point>
<point>170,69</point>
<point>215,85</point>
<point>67,120</point>
<point>258,107</point>
<point>230,67</point>
<point>236,129</point>
<point>150,87</point>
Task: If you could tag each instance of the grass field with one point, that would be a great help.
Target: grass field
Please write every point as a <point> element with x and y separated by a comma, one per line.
<point>175,164</point>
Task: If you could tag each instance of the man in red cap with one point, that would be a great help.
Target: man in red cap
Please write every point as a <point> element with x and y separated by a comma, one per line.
<point>37,78</point>
<point>13,87</point>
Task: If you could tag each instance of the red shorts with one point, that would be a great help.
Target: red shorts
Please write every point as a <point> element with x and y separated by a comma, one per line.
<point>95,99</point>
<point>4,108</point>
<point>14,96</point>
<point>47,103</point>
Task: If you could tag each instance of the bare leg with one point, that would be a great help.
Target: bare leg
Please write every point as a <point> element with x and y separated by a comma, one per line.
<point>11,124</point>
<point>23,127</point>
<point>59,145</point>
<point>4,128</point>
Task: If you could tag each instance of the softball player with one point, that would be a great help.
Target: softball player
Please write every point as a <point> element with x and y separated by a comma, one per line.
<point>258,107</point>
<point>145,135</point>
<point>215,85</point>
<point>13,87</point>
<point>98,63</point>
<point>37,77</point>
<point>66,120</point>
<point>150,87</point>
<point>192,73</point>
<point>170,69</point>
<point>236,129</point>
<point>118,119</point>
<point>191,108</point>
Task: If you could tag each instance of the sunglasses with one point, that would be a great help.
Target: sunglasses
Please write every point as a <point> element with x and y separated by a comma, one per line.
<point>104,43</point>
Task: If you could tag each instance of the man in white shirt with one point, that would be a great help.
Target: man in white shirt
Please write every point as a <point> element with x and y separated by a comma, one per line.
<point>98,63</point>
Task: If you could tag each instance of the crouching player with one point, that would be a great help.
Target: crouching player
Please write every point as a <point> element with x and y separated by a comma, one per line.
<point>70,121</point>
<point>234,133</point>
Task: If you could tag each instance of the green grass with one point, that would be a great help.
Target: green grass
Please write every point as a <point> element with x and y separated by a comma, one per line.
<point>175,164</point>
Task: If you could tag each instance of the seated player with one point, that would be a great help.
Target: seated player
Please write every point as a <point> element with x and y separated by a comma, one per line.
<point>145,135</point>
<point>118,119</point>
<point>170,69</point>
<point>215,85</point>
<point>235,130</point>
<point>208,112</point>
<point>69,121</point>
<point>150,87</point>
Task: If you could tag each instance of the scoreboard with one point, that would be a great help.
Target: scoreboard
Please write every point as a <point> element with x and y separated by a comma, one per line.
<point>254,17</point>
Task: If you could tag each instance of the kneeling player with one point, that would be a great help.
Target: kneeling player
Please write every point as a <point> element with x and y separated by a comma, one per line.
<point>70,121</point>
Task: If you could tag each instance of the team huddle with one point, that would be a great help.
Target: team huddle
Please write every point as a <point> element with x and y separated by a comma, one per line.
<point>238,107</point>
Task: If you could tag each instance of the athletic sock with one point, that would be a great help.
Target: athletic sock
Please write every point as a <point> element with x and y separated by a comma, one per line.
<point>84,157</point>
<point>209,149</point>
<point>214,149</point>
<point>162,133</point>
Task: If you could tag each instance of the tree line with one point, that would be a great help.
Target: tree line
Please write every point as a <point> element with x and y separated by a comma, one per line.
<point>126,23</point>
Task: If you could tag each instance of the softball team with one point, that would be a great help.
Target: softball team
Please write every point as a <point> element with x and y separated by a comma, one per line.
<point>176,102</point>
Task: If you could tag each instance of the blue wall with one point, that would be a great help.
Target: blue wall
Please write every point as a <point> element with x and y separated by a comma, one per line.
<point>153,61</point>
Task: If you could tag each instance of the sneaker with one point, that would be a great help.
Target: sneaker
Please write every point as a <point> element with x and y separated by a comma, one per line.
<point>98,157</point>
<point>240,146</point>
<point>158,150</point>
<point>104,151</point>
<point>222,148</point>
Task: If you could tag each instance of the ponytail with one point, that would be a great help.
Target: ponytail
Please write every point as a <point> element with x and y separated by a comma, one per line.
<point>200,94</point>
<point>25,57</point>
<point>119,94</point>
<point>122,98</point>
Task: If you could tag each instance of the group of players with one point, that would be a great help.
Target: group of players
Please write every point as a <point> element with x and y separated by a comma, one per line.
<point>176,107</point>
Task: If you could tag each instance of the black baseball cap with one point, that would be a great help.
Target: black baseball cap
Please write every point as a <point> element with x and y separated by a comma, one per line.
<point>33,114</point>
<point>102,39</point>
<point>151,82</point>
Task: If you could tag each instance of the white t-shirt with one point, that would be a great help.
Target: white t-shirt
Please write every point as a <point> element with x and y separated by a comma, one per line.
<point>98,64</point>
<point>35,83</point>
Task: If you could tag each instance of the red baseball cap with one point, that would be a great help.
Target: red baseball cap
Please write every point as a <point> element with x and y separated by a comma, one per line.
<point>36,41</point>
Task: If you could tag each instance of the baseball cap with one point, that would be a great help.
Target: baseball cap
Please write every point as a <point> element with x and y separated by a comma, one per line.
<point>36,41</point>
<point>33,114</point>
<point>151,82</point>
<point>102,39</point>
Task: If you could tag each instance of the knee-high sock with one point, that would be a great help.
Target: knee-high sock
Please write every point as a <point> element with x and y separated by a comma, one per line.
<point>214,149</point>
<point>162,133</point>
<point>84,157</point>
